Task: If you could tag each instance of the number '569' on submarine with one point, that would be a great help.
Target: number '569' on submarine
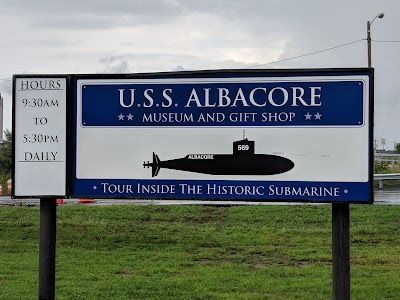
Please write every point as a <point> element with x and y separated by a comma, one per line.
<point>243,161</point>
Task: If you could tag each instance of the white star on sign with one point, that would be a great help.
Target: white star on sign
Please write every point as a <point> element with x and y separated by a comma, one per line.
<point>130,117</point>
<point>308,116</point>
<point>120,117</point>
<point>318,116</point>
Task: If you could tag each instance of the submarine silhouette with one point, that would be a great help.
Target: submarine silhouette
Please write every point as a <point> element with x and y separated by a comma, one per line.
<point>243,161</point>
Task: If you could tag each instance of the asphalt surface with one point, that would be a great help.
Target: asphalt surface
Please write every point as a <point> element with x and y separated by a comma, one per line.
<point>386,196</point>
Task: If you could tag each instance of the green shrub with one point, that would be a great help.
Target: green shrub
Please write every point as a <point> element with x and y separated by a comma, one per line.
<point>381,167</point>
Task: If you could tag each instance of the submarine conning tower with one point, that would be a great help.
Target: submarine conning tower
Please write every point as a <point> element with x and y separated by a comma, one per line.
<point>243,147</point>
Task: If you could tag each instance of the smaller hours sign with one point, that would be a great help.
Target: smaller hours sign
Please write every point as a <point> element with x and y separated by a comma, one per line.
<point>39,136</point>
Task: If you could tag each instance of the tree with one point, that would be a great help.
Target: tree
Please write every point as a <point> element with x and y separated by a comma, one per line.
<point>397,148</point>
<point>6,155</point>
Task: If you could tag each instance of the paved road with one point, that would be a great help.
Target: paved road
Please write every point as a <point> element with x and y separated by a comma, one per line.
<point>387,196</point>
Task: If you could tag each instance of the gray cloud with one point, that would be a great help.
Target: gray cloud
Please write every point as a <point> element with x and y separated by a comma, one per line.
<point>114,65</point>
<point>91,14</point>
<point>179,68</point>
<point>123,36</point>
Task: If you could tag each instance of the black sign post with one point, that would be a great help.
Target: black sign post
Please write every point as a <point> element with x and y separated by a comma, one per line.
<point>47,249</point>
<point>340,251</point>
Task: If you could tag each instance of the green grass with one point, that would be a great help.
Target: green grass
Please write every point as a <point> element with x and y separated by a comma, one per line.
<point>200,252</point>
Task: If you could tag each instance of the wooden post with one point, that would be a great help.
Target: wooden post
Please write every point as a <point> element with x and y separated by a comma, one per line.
<point>341,251</point>
<point>47,249</point>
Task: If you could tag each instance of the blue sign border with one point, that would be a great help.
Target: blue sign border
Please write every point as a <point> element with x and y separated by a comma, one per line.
<point>362,192</point>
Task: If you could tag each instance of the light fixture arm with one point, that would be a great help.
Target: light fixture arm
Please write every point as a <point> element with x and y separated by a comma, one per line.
<point>380,16</point>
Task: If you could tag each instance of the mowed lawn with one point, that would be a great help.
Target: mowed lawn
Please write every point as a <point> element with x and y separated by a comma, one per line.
<point>200,252</point>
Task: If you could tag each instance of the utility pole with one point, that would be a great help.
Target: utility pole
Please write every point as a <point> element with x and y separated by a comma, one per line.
<point>369,43</point>
<point>380,16</point>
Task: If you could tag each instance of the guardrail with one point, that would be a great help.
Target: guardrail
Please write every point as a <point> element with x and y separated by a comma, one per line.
<point>393,158</point>
<point>388,176</point>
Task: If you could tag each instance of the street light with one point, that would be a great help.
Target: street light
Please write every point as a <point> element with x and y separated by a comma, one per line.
<point>380,16</point>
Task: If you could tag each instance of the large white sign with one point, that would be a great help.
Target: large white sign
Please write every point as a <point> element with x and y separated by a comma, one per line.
<point>40,136</point>
<point>288,137</point>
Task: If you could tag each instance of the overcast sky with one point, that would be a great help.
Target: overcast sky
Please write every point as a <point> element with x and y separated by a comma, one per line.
<point>133,36</point>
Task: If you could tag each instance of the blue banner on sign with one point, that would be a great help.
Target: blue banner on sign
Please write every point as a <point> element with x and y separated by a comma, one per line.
<point>223,104</point>
<point>224,190</point>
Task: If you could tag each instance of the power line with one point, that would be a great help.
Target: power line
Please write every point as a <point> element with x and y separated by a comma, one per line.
<point>307,54</point>
<point>382,41</point>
